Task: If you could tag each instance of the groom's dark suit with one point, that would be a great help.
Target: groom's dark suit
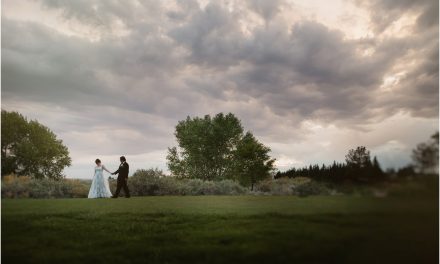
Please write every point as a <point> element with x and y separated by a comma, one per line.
<point>122,179</point>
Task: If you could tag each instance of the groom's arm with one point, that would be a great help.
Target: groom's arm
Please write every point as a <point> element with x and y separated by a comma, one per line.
<point>116,172</point>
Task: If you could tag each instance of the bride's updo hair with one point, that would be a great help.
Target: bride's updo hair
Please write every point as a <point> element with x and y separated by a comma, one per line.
<point>97,161</point>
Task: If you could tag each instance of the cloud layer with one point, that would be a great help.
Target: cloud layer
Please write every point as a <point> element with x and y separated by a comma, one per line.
<point>115,77</point>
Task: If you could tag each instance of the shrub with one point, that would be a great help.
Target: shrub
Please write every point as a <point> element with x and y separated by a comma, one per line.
<point>148,183</point>
<point>230,187</point>
<point>79,188</point>
<point>25,186</point>
<point>301,186</point>
<point>13,186</point>
<point>311,188</point>
<point>155,182</point>
<point>199,187</point>
<point>145,182</point>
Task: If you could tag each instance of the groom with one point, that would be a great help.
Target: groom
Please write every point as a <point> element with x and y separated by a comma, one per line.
<point>122,178</point>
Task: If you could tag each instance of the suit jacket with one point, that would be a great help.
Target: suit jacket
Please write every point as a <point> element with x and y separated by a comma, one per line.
<point>123,170</point>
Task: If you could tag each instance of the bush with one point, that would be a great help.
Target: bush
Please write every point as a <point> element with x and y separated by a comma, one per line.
<point>199,187</point>
<point>301,186</point>
<point>13,186</point>
<point>230,187</point>
<point>25,186</point>
<point>155,182</point>
<point>79,188</point>
<point>145,182</point>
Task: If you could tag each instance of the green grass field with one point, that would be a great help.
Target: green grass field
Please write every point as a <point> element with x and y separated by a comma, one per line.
<point>221,229</point>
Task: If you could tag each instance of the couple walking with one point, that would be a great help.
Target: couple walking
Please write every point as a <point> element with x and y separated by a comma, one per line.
<point>100,187</point>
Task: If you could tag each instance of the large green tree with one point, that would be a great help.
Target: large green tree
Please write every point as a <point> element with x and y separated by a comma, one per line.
<point>215,148</point>
<point>30,148</point>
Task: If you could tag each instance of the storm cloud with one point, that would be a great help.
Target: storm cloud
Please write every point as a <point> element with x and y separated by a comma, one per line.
<point>115,77</point>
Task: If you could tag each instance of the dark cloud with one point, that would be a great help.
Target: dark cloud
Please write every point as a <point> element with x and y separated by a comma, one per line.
<point>417,90</point>
<point>158,62</point>
<point>385,12</point>
<point>38,63</point>
<point>267,9</point>
<point>290,68</point>
<point>211,37</point>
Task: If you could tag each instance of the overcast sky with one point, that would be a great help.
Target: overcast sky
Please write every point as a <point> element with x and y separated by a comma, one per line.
<point>311,79</point>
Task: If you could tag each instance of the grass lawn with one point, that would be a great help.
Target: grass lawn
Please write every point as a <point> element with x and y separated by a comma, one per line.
<point>221,229</point>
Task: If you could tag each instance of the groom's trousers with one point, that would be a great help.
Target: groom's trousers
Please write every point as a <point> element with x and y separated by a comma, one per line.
<point>122,183</point>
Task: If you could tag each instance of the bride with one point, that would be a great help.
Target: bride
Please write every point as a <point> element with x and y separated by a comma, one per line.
<point>100,187</point>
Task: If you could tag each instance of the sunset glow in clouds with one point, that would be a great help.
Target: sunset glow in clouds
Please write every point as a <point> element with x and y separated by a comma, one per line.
<point>310,79</point>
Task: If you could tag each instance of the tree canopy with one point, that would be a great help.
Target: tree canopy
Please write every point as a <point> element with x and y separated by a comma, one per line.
<point>215,148</point>
<point>359,157</point>
<point>30,148</point>
<point>252,162</point>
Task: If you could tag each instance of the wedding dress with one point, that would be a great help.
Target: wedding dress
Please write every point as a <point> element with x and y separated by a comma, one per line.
<point>100,187</point>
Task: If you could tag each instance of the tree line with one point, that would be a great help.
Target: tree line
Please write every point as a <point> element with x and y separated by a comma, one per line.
<point>358,169</point>
<point>208,148</point>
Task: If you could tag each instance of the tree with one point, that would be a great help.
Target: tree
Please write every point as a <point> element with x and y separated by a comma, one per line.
<point>376,170</point>
<point>30,148</point>
<point>359,157</point>
<point>425,155</point>
<point>207,144</point>
<point>360,168</point>
<point>214,148</point>
<point>252,162</point>
<point>13,131</point>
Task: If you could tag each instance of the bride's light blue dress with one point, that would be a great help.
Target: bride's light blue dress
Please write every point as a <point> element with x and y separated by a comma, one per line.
<point>100,187</point>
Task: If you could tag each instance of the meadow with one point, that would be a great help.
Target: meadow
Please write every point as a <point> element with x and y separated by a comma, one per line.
<point>222,229</point>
